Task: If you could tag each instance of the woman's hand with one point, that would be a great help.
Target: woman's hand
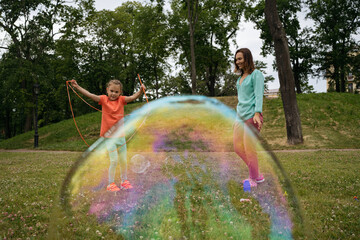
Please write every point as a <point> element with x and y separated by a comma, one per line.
<point>257,120</point>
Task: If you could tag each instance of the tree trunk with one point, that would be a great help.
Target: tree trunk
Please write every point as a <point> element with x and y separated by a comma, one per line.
<point>193,63</point>
<point>337,78</point>
<point>156,82</point>
<point>297,83</point>
<point>192,17</point>
<point>212,79</point>
<point>342,78</point>
<point>28,122</point>
<point>286,77</point>
<point>7,123</point>
<point>342,67</point>
<point>297,75</point>
<point>28,112</point>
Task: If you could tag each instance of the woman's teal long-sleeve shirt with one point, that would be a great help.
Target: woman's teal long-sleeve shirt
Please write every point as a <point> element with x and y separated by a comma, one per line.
<point>250,95</point>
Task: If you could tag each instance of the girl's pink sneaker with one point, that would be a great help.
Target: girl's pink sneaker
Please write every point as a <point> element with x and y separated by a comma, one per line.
<point>126,185</point>
<point>112,188</point>
<point>260,179</point>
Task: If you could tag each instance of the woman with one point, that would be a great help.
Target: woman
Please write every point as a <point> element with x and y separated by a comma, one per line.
<point>250,90</point>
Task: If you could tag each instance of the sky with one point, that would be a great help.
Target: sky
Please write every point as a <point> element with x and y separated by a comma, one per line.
<point>247,37</point>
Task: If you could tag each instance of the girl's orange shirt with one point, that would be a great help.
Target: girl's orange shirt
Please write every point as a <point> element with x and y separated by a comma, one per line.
<point>112,112</point>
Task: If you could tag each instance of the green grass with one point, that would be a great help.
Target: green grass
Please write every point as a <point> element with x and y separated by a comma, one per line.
<point>326,182</point>
<point>329,120</point>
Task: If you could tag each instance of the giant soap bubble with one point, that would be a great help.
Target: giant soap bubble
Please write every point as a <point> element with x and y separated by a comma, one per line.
<point>187,179</point>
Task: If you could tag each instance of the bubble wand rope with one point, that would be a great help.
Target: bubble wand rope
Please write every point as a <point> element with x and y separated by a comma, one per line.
<point>67,83</point>
<point>143,89</point>
<point>72,112</point>
<point>63,193</point>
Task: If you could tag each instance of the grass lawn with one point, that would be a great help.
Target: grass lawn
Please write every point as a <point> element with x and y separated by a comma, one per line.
<point>326,183</point>
<point>329,120</point>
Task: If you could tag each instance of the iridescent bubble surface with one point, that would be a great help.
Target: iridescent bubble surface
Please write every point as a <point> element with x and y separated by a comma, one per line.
<point>187,179</point>
<point>139,163</point>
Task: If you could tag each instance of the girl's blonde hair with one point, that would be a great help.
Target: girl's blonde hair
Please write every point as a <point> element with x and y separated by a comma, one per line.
<point>115,82</point>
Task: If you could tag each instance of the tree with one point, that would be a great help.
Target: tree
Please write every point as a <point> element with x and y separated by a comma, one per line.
<point>29,27</point>
<point>286,77</point>
<point>355,69</point>
<point>216,25</point>
<point>108,50</point>
<point>151,41</point>
<point>11,115</point>
<point>300,46</point>
<point>175,85</point>
<point>67,64</point>
<point>336,22</point>
<point>29,45</point>
<point>214,42</point>
<point>192,16</point>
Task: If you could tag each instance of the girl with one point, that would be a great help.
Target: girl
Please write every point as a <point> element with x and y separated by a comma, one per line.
<point>112,112</point>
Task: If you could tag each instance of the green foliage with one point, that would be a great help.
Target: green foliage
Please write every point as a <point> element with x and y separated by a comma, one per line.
<point>30,43</point>
<point>173,85</point>
<point>216,25</point>
<point>92,47</point>
<point>300,46</point>
<point>152,37</point>
<point>335,25</point>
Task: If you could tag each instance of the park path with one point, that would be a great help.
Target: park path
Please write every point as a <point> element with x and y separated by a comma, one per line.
<point>275,151</point>
<point>36,151</point>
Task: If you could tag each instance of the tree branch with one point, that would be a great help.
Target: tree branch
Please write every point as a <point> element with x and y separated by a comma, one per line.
<point>231,34</point>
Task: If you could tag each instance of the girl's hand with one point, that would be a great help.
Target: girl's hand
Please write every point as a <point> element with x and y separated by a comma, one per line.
<point>74,83</point>
<point>257,120</point>
<point>142,87</point>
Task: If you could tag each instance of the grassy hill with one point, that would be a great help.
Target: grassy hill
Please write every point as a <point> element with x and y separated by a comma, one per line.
<point>329,120</point>
<point>326,181</point>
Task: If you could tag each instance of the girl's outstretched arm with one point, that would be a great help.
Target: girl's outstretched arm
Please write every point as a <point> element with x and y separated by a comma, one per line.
<point>85,92</point>
<point>135,95</point>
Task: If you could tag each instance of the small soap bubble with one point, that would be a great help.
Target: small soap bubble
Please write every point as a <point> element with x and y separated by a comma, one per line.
<point>139,164</point>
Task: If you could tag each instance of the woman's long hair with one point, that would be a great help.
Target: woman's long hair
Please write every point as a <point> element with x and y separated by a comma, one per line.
<point>249,65</point>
